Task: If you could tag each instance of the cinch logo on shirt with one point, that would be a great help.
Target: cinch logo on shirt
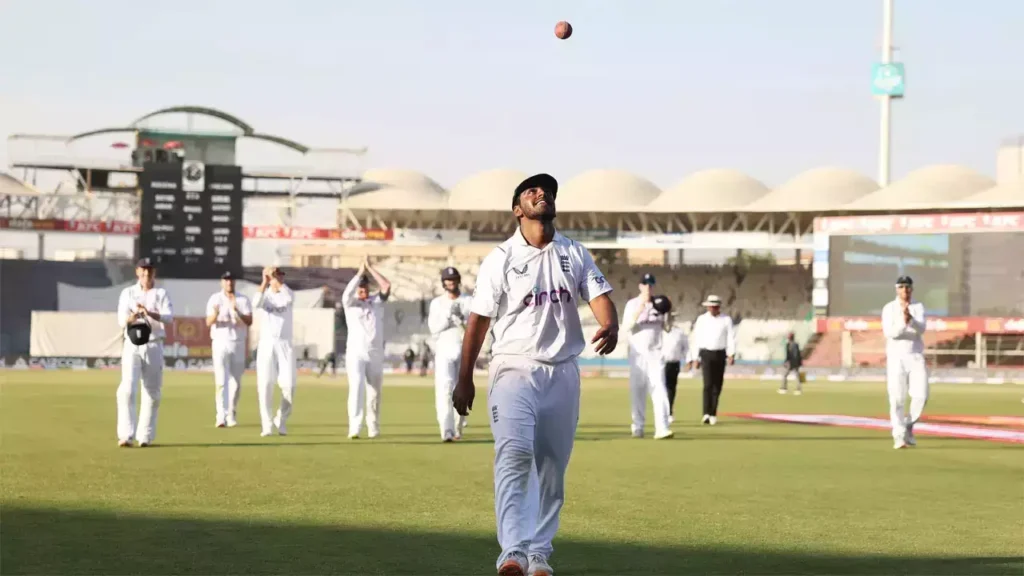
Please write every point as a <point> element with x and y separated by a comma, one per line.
<point>538,298</point>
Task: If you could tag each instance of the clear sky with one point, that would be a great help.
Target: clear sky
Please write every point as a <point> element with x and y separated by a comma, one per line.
<point>661,88</point>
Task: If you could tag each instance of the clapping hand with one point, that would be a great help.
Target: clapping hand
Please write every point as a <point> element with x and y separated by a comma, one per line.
<point>905,305</point>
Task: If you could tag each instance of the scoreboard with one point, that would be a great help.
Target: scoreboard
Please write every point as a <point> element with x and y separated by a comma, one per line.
<point>191,219</point>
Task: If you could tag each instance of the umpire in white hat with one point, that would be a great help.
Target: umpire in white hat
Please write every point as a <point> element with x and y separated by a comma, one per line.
<point>713,343</point>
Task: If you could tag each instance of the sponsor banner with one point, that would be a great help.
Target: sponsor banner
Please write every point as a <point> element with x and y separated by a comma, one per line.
<point>594,235</point>
<point>187,338</point>
<point>301,233</point>
<point>921,428</point>
<point>76,226</point>
<point>710,241</point>
<point>921,223</point>
<point>935,324</point>
<point>425,236</point>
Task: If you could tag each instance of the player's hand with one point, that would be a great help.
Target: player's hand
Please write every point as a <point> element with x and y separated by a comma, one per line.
<point>689,366</point>
<point>645,292</point>
<point>696,365</point>
<point>462,396</point>
<point>732,360</point>
<point>606,339</point>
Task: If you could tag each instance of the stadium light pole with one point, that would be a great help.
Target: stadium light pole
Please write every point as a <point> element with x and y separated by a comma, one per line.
<point>885,132</point>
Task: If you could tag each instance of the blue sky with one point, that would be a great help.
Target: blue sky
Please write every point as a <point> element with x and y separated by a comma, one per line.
<point>661,88</point>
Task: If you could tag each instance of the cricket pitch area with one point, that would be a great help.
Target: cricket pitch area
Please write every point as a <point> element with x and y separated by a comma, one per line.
<point>746,496</point>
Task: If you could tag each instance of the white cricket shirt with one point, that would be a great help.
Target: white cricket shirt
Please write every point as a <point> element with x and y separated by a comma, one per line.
<point>713,333</point>
<point>674,345</point>
<point>154,299</point>
<point>228,327</point>
<point>447,322</point>
<point>645,333</point>
<point>365,320</point>
<point>275,312</point>
<point>902,337</point>
<point>533,295</point>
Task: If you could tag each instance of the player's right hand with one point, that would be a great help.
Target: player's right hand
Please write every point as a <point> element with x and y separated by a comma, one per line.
<point>462,396</point>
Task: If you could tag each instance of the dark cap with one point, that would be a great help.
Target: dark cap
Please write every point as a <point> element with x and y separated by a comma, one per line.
<point>227,276</point>
<point>450,273</point>
<point>144,263</point>
<point>904,281</point>
<point>662,304</point>
<point>545,182</point>
<point>647,279</point>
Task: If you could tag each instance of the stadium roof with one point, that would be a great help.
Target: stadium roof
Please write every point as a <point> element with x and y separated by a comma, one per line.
<point>11,185</point>
<point>396,190</point>
<point>925,188</point>
<point>606,191</point>
<point>1006,195</point>
<point>814,190</point>
<point>490,190</point>
<point>710,191</point>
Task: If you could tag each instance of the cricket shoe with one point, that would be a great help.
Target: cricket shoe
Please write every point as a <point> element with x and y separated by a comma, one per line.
<point>899,444</point>
<point>638,433</point>
<point>232,422</point>
<point>281,429</point>
<point>706,419</point>
<point>539,566</point>
<point>124,443</point>
<point>220,424</point>
<point>144,444</point>
<point>664,435</point>
<point>266,433</point>
<point>513,565</point>
<point>448,437</point>
<point>797,393</point>
<point>909,438</point>
<point>712,420</point>
<point>782,390</point>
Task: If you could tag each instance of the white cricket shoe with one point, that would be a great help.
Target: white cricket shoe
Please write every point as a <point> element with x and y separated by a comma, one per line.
<point>899,444</point>
<point>664,435</point>
<point>354,436</point>
<point>638,433</point>
<point>220,423</point>
<point>265,433</point>
<point>713,420</point>
<point>281,428</point>
<point>909,437</point>
<point>513,565</point>
<point>797,393</point>
<point>448,437</point>
<point>706,419</point>
<point>231,421</point>
<point>782,390</point>
<point>539,566</point>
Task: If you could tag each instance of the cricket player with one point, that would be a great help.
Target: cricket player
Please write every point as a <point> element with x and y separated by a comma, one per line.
<point>447,322</point>
<point>364,348</point>
<point>646,366</point>
<point>714,343</point>
<point>275,358</point>
<point>228,315</point>
<point>531,286</point>
<point>675,346</point>
<point>794,360</point>
<point>903,322</point>
<point>142,311</point>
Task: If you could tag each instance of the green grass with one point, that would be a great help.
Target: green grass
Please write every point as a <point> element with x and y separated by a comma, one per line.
<point>740,498</point>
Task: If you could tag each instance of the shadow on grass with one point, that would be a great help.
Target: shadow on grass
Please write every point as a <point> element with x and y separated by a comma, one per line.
<point>41,541</point>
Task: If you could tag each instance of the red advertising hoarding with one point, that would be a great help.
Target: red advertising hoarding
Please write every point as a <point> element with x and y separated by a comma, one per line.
<point>250,232</point>
<point>921,223</point>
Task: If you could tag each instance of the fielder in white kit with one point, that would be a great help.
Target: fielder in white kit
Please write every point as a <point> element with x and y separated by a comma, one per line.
<point>903,322</point>
<point>531,286</point>
<point>275,358</point>
<point>447,322</point>
<point>364,349</point>
<point>142,311</point>
<point>644,325</point>
<point>228,315</point>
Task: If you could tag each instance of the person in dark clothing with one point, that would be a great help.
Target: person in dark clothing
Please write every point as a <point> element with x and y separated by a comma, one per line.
<point>409,358</point>
<point>425,356</point>
<point>792,364</point>
<point>332,360</point>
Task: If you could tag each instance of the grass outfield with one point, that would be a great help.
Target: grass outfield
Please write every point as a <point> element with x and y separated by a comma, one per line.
<point>743,497</point>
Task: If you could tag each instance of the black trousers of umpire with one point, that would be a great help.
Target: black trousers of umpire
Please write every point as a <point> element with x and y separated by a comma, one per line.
<point>712,364</point>
<point>671,380</point>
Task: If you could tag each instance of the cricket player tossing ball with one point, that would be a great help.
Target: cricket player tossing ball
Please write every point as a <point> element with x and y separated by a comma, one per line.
<point>531,286</point>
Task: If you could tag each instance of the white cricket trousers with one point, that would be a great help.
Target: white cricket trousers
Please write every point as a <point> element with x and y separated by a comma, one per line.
<point>446,374</point>
<point>228,367</point>
<point>647,378</point>
<point>906,373</point>
<point>275,361</point>
<point>534,408</point>
<point>145,363</point>
<point>365,377</point>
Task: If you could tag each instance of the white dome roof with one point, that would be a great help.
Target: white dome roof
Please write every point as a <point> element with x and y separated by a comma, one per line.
<point>605,191</point>
<point>818,189</point>
<point>710,191</point>
<point>924,188</point>
<point>1005,195</point>
<point>397,190</point>
<point>490,190</point>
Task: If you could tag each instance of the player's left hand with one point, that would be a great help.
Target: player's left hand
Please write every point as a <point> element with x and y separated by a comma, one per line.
<point>732,360</point>
<point>606,339</point>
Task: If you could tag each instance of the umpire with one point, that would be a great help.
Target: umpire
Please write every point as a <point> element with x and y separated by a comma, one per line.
<point>713,342</point>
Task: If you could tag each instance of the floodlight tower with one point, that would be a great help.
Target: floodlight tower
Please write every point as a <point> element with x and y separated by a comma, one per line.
<point>887,83</point>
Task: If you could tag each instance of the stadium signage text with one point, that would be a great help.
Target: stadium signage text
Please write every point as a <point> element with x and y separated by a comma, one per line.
<point>934,324</point>
<point>921,223</point>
